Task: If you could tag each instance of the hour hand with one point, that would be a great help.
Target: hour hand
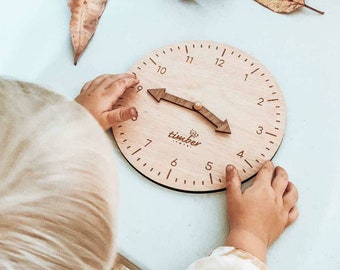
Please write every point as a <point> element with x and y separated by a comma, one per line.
<point>160,93</point>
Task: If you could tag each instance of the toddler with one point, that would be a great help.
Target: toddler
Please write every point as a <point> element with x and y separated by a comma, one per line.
<point>58,193</point>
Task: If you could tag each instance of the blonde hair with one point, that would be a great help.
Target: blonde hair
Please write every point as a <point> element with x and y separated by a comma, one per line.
<point>57,183</point>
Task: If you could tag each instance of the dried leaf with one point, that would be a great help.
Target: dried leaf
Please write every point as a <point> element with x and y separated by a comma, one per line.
<point>84,21</point>
<point>285,6</point>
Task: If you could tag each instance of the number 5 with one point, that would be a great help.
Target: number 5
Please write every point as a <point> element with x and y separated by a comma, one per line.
<point>208,167</point>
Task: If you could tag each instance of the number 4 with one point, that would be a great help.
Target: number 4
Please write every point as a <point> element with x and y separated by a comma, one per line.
<point>241,154</point>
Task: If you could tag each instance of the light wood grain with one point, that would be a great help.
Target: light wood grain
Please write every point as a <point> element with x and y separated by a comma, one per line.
<point>178,146</point>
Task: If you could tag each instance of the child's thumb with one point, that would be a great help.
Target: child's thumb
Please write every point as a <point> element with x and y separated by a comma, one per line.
<point>121,114</point>
<point>233,182</point>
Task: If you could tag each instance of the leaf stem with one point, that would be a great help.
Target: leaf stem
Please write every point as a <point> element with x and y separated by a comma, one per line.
<point>314,9</point>
<point>309,7</point>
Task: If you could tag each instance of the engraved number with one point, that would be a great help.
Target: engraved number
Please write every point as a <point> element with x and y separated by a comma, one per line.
<point>174,163</point>
<point>139,88</point>
<point>259,130</point>
<point>260,101</point>
<point>189,59</point>
<point>208,167</point>
<point>241,154</point>
<point>246,77</point>
<point>219,62</point>
<point>149,141</point>
<point>161,70</point>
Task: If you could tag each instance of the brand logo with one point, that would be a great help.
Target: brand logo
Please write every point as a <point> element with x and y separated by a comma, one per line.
<point>188,140</point>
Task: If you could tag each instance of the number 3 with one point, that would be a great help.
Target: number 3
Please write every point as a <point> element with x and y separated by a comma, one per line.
<point>259,130</point>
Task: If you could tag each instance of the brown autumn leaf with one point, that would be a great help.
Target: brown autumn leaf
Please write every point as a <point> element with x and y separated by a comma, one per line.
<point>286,6</point>
<point>85,15</point>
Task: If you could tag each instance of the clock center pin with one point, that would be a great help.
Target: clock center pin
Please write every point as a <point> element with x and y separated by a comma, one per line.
<point>198,105</point>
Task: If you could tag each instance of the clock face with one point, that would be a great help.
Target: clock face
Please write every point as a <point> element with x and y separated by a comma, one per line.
<point>201,105</point>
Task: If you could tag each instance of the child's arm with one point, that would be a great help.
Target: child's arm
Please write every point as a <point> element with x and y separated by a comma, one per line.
<point>256,219</point>
<point>99,96</point>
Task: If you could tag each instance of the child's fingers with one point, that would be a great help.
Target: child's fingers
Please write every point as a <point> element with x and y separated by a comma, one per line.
<point>292,216</point>
<point>233,182</point>
<point>86,86</point>
<point>105,83</point>
<point>280,181</point>
<point>116,89</point>
<point>265,174</point>
<point>290,196</point>
<point>120,115</point>
<point>98,80</point>
<point>114,77</point>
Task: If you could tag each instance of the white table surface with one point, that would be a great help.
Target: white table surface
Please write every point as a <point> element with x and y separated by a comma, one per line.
<point>160,229</point>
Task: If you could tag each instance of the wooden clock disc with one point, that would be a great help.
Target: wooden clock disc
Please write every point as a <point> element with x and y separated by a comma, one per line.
<point>189,94</point>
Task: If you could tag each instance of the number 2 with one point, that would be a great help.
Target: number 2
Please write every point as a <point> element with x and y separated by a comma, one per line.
<point>261,100</point>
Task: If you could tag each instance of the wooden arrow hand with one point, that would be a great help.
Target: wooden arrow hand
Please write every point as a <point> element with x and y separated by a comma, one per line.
<point>222,126</point>
<point>160,93</point>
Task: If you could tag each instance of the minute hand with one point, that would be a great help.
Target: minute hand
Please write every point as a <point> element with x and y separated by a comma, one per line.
<point>159,93</point>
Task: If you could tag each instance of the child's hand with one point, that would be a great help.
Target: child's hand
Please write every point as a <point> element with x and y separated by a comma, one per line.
<point>261,213</point>
<point>99,96</point>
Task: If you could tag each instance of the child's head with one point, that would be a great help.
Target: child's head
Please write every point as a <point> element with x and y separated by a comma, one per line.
<point>57,183</point>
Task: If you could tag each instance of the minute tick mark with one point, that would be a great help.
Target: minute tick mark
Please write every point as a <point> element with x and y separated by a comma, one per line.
<point>223,52</point>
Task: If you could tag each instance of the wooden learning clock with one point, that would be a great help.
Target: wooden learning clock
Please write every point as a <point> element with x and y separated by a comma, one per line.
<point>202,105</point>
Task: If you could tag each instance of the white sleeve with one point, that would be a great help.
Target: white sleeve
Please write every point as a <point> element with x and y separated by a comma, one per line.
<point>228,258</point>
